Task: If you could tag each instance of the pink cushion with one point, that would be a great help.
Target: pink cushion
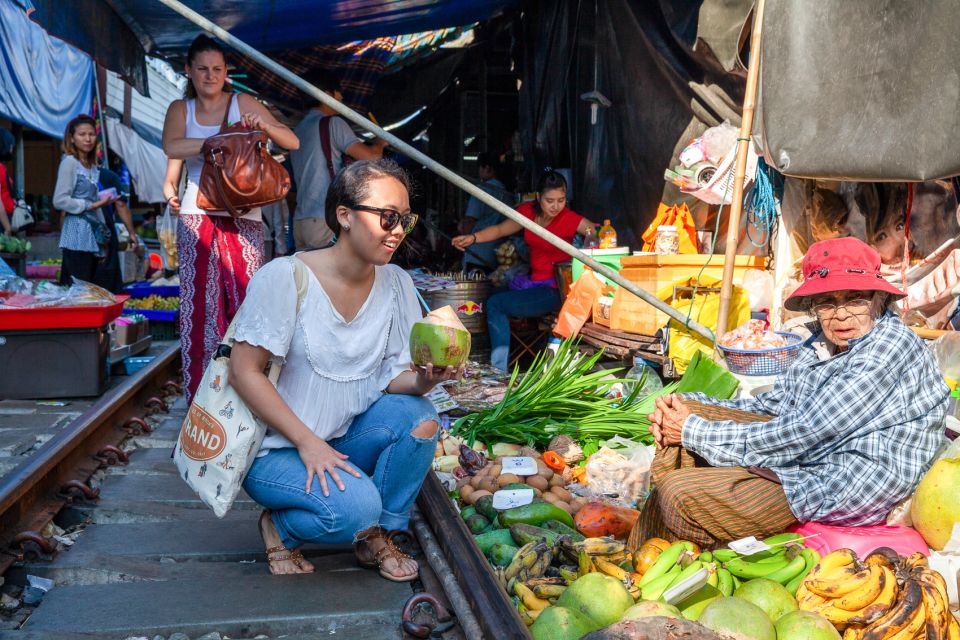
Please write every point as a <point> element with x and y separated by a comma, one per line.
<point>863,540</point>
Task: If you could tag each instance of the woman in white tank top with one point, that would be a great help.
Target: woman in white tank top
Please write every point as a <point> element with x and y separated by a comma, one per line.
<point>218,254</point>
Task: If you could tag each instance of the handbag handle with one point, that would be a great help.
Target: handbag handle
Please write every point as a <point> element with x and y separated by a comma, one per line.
<point>219,175</point>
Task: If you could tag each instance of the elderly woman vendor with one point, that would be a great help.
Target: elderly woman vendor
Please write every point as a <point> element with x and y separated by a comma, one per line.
<point>856,421</point>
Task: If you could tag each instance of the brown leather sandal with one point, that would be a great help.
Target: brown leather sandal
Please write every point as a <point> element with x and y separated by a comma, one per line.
<point>387,551</point>
<point>295,556</point>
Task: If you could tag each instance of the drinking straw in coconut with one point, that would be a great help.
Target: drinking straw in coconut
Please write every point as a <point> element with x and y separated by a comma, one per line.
<point>423,302</point>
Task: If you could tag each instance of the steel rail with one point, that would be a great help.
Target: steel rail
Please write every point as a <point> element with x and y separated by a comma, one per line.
<point>32,493</point>
<point>496,615</point>
<point>433,165</point>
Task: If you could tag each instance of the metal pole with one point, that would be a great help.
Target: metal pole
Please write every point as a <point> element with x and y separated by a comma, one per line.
<point>431,164</point>
<point>743,142</point>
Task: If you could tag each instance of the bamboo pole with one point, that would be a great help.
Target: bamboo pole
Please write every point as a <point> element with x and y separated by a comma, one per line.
<point>743,142</point>
<point>431,164</point>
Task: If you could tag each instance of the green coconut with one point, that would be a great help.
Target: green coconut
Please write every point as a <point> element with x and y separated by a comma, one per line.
<point>770,596</point>
<point>738,620</point>
<point>440,339</point>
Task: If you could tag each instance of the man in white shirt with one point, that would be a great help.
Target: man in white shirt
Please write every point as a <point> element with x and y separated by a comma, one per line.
<point>324,139</point>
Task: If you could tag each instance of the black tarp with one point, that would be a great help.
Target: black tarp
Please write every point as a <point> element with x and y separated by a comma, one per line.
<point>664,83</point>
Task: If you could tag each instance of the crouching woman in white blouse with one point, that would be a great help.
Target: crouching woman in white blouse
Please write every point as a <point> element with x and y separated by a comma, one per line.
<point>350,436</point>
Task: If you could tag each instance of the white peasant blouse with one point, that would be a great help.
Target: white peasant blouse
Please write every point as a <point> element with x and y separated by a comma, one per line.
<point>333,370</point>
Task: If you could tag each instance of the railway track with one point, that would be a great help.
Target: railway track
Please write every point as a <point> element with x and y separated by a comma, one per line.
<point>99,513</point>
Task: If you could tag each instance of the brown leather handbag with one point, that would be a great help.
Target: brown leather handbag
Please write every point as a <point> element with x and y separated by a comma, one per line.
<point>239,173</point>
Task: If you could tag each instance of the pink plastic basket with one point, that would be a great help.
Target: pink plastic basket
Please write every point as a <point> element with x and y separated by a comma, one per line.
<point>862,540</point>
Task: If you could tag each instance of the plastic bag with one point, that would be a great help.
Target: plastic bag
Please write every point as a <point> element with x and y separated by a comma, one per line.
<point>167,234</point>
<point>946,351</point>
<point>578,307</point>
<point>684,343</point>
<point>622,472</point>
<point>759,286</point>
<point>682,219</point>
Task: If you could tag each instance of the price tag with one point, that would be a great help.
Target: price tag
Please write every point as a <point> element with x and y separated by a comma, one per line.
<point>508,499</point>
<point>518,465</point>
<point>686,588</point>
<point>748,546</point>
<point>441,399</point>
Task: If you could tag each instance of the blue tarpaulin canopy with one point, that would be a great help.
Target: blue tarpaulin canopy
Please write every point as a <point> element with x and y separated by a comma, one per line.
<point>271,25</point>
<point>45,81</point>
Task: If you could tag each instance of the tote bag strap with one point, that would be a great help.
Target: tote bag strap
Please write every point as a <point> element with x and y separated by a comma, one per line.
<point>302,282</point>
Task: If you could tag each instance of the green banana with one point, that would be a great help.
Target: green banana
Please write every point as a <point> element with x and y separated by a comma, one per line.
<point>750,570</point>
<point>706,556</point>
<point>569,576</point>
<point>781,538</point>
<point>725,555</point>
<point>811,558</point>
<point>713,578</point>
<point>725,582</point>
<point>736,582</point>
<point>691,569</point>
<point>664,563</point>
<point>655,588</point>
<point>789,572</point>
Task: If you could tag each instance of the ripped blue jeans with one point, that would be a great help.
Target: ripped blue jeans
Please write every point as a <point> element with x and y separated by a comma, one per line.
<point>392,464</point>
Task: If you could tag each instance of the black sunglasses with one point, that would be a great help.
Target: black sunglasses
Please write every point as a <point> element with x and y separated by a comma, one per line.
<point>389,218</point>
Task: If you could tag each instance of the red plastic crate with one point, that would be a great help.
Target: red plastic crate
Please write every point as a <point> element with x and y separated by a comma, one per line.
<point>61,317</point>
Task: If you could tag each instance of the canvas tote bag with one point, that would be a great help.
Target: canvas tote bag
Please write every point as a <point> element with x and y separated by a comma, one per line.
<point>220,436</point>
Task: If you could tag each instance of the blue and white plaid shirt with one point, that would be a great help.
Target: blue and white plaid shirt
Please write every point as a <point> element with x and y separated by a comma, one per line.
<point>853,433</point>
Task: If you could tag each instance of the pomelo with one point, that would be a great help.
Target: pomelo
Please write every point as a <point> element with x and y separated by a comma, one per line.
<point>598,597</point>
<point>650,608</point>
<point>692,606</point>
<point>805,625</point>
<point>770,596</point>
<point>440,339</point>
<point>560,623</point>
<point>936,504</point>
<point>737,619</point>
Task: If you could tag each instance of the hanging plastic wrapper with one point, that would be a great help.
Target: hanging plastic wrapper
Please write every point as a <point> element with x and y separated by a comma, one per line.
<point>167,234</point>
<point>707,166</point>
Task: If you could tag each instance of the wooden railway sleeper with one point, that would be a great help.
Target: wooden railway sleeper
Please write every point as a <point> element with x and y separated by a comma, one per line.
<point>137,426</point>
<point>111,455</point>
<point>75,488</point>
<point>420,603</point>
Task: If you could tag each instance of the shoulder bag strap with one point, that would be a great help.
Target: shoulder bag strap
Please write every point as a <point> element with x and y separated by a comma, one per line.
<point>300,279</point>
<point>325,145</point>
<point>302,282</point>
<point>226,114</point>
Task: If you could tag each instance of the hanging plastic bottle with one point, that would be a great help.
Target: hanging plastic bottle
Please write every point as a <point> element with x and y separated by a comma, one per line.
<point>642,373</point>
<point>608,236</point>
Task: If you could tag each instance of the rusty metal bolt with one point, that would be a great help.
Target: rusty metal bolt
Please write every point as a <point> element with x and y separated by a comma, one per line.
<point>74,487</point>
<point>417,603</point>
<point>33,545</point>
<point>156,405</point>
<point>137,426</point>
<point>111,455</point>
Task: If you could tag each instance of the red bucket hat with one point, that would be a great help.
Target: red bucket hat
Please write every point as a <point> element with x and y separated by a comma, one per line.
<point>839,265</point>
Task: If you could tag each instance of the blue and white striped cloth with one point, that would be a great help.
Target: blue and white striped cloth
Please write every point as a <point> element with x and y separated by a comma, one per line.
<point>853,433</point>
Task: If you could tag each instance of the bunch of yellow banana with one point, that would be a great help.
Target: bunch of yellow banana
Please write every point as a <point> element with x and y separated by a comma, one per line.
<point>883,597</point>
<point>530,561</point>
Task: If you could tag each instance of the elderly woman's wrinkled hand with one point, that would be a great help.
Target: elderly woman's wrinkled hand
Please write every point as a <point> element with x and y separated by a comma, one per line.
<point>667,419</point>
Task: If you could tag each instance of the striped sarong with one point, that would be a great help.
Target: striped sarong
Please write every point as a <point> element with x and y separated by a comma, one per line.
<point>708,505</point>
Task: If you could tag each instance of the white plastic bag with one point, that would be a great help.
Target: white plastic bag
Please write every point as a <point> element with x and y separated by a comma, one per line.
<point>167,234</point>
<point>620,468</point>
